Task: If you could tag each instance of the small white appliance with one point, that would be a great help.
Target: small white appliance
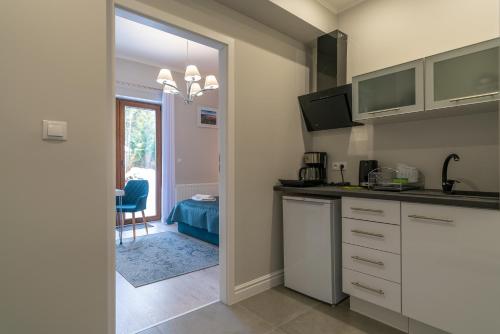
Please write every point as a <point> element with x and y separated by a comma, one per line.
<point>312,247</point>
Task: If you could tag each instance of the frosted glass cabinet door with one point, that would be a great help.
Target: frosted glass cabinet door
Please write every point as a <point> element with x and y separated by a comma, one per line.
<point>463,76</point>
<point>391,91</point>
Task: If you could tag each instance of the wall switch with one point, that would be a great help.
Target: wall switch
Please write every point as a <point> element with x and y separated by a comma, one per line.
<point>54,130</point>
<point>336,165</point>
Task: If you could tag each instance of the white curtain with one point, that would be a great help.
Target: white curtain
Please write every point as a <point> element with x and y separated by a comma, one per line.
<point>168,153</point>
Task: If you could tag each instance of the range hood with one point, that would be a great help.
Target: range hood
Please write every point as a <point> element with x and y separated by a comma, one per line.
<point>330,106</point>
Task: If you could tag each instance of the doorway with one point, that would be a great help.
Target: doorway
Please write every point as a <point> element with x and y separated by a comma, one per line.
<point>139,150</point>
<point>137,305</point>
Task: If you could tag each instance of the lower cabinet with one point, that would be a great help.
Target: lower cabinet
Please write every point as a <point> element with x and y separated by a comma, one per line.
<point>372,289</point>
<point>451,267</point>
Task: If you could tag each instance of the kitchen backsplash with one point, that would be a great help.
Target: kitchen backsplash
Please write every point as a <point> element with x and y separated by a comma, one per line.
<point>423,144</point>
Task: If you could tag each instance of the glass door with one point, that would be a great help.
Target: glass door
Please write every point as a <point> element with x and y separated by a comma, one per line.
<point>138,151</point>
<point>463,76</point>
<point>390,91</point>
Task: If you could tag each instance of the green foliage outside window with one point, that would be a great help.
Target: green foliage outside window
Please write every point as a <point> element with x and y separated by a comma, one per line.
<point>140,138</point>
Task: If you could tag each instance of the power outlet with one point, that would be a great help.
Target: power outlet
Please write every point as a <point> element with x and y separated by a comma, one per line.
<point>336,165</point>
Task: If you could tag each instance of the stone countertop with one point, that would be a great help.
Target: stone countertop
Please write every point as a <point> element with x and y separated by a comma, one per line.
<point>414,196</point>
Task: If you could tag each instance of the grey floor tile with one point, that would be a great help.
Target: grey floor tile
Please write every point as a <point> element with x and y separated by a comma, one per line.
<point>278,305</point>
<point>216,319</point>
<point>324,319</point>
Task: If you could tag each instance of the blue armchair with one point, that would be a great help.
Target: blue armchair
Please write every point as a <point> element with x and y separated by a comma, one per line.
<point>136,195</point>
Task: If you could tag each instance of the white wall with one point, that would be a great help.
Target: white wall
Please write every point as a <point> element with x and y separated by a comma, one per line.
<point>57,198</point>
<point>383,33</point>
<point>196,148</point>
<point>270,73</point>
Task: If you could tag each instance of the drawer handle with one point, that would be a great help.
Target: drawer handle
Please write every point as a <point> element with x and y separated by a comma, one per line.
<point>473,96</point>
<point>358,258</point>
<point>442,220</point>
<point>371,234</point>
<point>367,210</point>
<point>359,285</point>
<point>382,110</point>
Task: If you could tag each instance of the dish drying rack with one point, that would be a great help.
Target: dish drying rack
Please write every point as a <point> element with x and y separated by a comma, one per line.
<point>389,179</point>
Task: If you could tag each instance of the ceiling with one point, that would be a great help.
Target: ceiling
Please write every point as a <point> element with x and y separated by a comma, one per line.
<point>142,43</point>
<point>337,6</point>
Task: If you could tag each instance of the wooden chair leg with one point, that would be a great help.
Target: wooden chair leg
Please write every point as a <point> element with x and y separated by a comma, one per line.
<point>145,221</point>
<point>133,223</point>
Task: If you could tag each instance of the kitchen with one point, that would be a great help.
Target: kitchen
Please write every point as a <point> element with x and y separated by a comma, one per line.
<point>397,202</point>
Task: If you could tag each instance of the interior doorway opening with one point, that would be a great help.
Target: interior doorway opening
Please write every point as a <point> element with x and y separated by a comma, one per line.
<point>161,140</point>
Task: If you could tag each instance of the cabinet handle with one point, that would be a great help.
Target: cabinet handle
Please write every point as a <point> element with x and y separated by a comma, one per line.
<point>431,218</point>
<point>358,258</point>
<point>359,285</point>
<point>305,201</point>
<point>371,234</point>
<point>382,110</point>
<point>473,96</point>
<point>367,210</point>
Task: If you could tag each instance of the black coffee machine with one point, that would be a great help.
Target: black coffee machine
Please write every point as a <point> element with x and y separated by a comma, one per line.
<point>315,168</point>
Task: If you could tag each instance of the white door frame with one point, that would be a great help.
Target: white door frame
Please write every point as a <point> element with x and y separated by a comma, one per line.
<point>226,136</point>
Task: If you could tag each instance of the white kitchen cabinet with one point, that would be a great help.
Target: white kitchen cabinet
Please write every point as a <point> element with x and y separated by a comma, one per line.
<point>376,210</point>
<point>384,237</point>
<point>372,262</point>
<point>372,289</point>
<point>468,75</point>
<point>451,267</point>
<point>312,247</point>
<point>390,91</point>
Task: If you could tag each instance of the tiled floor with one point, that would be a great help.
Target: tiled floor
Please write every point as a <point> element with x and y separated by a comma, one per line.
<point>278,311</point>
<point>139,308</point>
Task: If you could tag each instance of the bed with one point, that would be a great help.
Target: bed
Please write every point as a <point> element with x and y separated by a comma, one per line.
<point>199,219</point>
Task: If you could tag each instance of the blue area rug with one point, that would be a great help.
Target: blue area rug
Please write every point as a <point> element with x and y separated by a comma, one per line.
<point>160,256</point>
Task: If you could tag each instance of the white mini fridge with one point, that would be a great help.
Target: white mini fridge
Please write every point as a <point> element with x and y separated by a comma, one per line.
<point>312,247</point>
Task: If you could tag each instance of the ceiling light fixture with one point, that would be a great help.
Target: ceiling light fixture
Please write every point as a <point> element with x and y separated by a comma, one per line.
<point>191,76</point>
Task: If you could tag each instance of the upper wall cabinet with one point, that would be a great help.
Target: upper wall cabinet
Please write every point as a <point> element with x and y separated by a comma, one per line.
<point>391,91</point>
<point>463,76</point>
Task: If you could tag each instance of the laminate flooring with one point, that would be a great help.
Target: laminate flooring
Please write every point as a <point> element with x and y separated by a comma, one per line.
<point>143,307</point>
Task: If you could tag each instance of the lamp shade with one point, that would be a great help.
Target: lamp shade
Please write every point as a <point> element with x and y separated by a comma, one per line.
<point>196,89</point>
<point>211,82</point>
<point>165,76</point>
<point>170,89</point>
<point>192,73</point>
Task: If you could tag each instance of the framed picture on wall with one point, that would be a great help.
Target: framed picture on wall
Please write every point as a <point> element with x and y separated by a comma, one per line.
<point>207,117</point>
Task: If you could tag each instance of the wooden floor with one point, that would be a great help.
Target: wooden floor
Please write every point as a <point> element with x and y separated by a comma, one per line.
<point>139,308</point>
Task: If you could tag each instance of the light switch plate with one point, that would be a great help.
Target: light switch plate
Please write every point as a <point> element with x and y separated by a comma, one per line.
<point>55,130</point>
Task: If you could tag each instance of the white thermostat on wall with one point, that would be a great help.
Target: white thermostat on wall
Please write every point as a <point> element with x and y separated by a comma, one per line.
<point>55,130</point>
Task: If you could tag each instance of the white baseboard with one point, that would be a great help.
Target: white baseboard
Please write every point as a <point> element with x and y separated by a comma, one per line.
<point>258,285</point>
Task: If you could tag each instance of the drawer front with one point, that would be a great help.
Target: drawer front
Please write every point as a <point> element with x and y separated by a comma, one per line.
<point>372,262</point>
<point>384,237</point>
<point>372,289</point>
<point>372,209</point>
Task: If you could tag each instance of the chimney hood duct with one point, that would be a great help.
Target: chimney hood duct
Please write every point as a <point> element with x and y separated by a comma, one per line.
<point>330,106</point>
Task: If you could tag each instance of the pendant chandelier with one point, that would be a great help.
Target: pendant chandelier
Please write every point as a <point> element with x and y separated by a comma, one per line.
<point>191,76</point>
